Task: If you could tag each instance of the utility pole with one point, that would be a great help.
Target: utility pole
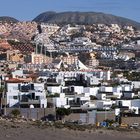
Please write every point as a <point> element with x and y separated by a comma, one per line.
<point>4,99</point>
<point>105,114</point>
<point>36,48</point>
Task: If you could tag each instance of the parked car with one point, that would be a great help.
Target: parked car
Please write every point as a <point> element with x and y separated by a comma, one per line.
<point>115,124</point>
<point>123,125</point>
<point>135,125</point>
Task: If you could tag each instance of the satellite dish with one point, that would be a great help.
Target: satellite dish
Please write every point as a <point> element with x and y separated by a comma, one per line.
<point>31,106</point>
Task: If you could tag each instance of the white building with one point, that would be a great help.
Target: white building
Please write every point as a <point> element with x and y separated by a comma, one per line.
<point>131,104</point>
<point>24,95</point>
<point>67,101</point>
<point>117,91</point>
<point>92,77</point>
<point>60,101</point>
<point>106,89</point>
<point>54,89</point>
<point>49,28</point>
<point>91,90</point>
<point>104,104</point>
<point>16,73</point>
<point>136,84</point>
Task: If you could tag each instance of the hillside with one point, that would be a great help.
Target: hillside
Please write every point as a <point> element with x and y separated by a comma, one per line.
<point>8,19</point>
<point>84,18</point>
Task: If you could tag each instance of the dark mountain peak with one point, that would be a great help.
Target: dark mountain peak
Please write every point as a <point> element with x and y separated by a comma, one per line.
<point>45,16</point>
<point>8,19</point>
<point>84,18</point>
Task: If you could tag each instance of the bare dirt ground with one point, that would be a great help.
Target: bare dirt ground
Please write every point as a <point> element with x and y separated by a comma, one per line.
<point>11,130</point>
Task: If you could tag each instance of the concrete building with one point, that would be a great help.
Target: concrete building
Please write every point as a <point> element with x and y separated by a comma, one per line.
<point>104,104</point>
<point>14,56</point>
<point>40,58</point>
<point>70,59</point>
<point>26,95</point>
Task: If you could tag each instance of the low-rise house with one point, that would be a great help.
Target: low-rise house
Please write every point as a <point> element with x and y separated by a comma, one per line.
<point>136,84</point>
<point>135,105</point>
<point>91,90</point>
<point>104,104</point>
<point>132,105</point>
<point>101,96</point>
<point>92,80</point>
<point>127,91</point>
<point>117,92</point>
<point>54,89</point>
<point>71,100</point>
<point>60,101</point>
<point>26,95</point>
<point>105,91</point>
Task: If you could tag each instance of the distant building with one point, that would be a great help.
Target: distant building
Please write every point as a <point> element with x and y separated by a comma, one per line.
<point>70,59</point>
<point>4,45</point>
<point>49,28</point>
<point>14,56</point>
<point>40,58</point>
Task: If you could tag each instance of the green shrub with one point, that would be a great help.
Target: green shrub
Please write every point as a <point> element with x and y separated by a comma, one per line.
<point>61,112</point>
<point>15,112</point>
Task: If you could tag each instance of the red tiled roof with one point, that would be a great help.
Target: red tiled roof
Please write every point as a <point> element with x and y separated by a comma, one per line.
<point>14,80</point>
<point>23,48</point>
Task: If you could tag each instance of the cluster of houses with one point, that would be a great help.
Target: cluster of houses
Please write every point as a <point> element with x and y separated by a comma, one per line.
<point>72,67</point>
<point>77,90</point>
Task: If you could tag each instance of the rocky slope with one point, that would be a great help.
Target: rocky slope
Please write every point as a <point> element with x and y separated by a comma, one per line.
<point>8,19</point>
<point>84,18</point>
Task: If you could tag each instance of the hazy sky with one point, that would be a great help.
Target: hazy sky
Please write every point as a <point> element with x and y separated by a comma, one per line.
<point>29,9</point>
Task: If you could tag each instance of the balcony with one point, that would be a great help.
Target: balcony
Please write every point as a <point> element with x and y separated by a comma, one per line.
<point>29,101</point>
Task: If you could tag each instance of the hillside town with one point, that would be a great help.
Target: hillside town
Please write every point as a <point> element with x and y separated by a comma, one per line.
<point>91,70</point>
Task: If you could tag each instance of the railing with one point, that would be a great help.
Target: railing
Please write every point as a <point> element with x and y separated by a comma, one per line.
<point>29,101</point>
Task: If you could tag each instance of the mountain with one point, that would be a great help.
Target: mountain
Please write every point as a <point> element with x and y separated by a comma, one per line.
<point>8,19</point>
<point>84,18</point>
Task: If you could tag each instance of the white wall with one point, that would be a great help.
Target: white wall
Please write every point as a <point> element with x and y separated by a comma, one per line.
<point>136,84</point>
<point>135,103</point>
<point>126,103</point>
<point>106,104</point>
<point>106,89</point>
<point>127,87</point>
<point>53,89</point>
<point>59,102</point>
<point>17,73</point>
<point>94,91</point>
<point>79,89</point>
<point>85,98</point>
<point>43,103</point>
<point>12,90</point>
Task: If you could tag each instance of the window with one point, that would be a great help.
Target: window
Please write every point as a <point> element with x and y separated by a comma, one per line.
<point>15,97</point>
<point>33,96</point>
<point>37,97</point>
<point>32,86</point>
